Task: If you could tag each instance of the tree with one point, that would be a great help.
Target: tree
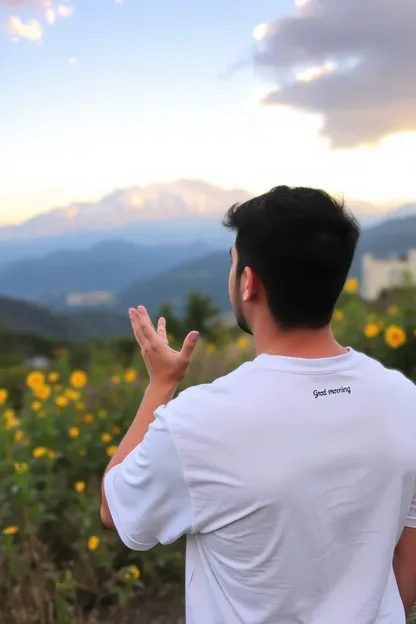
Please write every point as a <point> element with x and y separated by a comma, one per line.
<point>200,314</point>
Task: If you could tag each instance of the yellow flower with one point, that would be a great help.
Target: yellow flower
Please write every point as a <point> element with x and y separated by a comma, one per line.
<point>371,330</point>
<point>21,467</point>
<point>36,406</point>
<point>11,420</point>
<point>11,530</point>
<point>19,436</point>
<point>135,572</point>
<point>78,379</point>
<point>242,343</point>
<point>61,401</point>
<point>80,486</point>
<point>88,418</point>
<point>130,375</point>
<point>338,315</point>
<point>42,392</point>
<point>35,379</point>
<point>3,396</point>
<point>105,437</point>
<point>116,429</point>
<point>93,542</point>
<point>111,450</point>
<point>53,377</point>
<point>51,454</point>
<point>394,336</point>
<point>351,285</point>
<point>210,348</point>
<point>39,451</point>
<point>132,573</point>
<point>115,379</point>
<point>80,407</point>
<point>73,432</point>
<point>393,310</point>
<point>72,395</point>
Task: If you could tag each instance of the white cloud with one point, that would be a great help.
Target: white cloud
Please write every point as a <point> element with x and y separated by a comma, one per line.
<point>260,31</point>
<point>50,16</point>
<point>73,60</point>
<point>352,62</point>
<point>64,11</point>
<point>30,30</point>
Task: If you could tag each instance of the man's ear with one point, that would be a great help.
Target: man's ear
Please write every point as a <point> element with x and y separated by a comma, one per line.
<point>249,284</point>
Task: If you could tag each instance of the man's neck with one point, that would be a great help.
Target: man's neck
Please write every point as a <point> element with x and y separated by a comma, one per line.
<point>318,343</point>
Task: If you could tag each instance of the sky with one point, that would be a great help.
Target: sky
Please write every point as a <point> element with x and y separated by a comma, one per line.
<point>97,95</point>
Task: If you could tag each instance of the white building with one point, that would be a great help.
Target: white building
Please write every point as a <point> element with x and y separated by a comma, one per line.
<point>89,299</point>
<point>381,273</point>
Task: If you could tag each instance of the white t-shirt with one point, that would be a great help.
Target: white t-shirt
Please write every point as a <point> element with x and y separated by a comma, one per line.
<point>293,480</point>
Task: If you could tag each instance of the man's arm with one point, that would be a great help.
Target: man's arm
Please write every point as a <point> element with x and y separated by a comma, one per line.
<point>130,463</point>
<point>404,564</point>
<point>154,397</point>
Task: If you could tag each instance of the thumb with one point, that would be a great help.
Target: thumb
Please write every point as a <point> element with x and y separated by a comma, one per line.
<point>189,345</point>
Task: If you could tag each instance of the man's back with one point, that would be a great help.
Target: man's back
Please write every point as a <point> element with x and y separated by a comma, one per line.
<point>294,476</point>
<point>301,475</point>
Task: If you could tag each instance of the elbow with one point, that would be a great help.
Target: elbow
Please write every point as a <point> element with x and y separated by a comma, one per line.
<point>106,518</point>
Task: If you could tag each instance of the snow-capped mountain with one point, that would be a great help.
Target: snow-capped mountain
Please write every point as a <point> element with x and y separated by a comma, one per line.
<point>159,202</point>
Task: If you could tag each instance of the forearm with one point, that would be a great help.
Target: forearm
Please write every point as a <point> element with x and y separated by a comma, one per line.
<point>154,397</point>
<point>406,582</point>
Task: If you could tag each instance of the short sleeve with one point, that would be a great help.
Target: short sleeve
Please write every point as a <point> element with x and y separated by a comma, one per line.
<point>411,516</point>
<point>147,494</point>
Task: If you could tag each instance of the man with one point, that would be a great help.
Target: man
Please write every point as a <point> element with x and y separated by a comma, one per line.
<point>294,476</point>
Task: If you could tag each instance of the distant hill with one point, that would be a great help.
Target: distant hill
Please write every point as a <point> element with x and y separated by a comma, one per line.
<point>24,317</point>
<point>107,266</point>
<point>209,275</point>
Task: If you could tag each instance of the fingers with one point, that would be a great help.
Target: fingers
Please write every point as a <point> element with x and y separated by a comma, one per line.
<point>136,325</point>
<point>142,325</point>
<point>189,345</point>
<point>161,329</point>
<point>146,325</point>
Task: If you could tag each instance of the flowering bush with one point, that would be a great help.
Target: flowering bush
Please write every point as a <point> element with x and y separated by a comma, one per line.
<point>58,564</point>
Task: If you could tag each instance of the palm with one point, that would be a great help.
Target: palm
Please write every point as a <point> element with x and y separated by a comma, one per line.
<point>160,359</point>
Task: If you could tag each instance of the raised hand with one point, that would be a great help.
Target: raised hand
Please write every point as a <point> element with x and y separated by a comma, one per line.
<point>164,365</point>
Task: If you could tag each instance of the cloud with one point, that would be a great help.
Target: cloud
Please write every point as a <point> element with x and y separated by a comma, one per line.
<point>32,29</point>
<point>351,61</point>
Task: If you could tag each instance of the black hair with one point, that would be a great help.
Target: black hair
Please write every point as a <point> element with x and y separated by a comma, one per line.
<point>300,242</point>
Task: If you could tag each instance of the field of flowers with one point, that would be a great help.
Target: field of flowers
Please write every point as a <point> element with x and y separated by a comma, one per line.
<point>57,563</point>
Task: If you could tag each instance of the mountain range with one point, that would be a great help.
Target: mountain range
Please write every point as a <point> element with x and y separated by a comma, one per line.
<point>176,213</point>
<point>183,212</point>
<point>207,274</point>
<point>154,245</point>
<point>108,266</point>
